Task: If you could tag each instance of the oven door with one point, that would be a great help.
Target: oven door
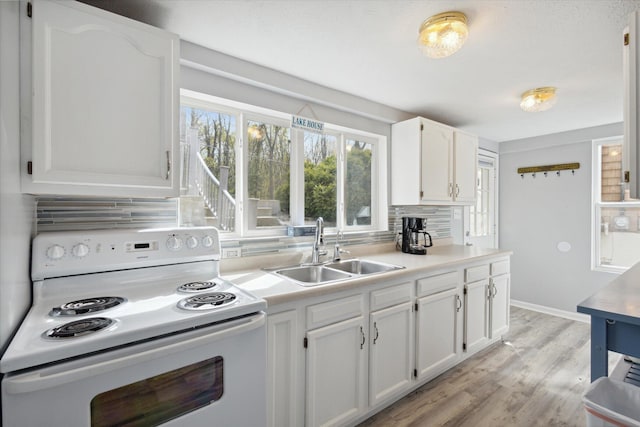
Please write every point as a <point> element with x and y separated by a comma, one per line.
<point>209,376</point>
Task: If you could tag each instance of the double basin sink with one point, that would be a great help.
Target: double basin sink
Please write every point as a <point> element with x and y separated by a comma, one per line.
<point>312,275</point>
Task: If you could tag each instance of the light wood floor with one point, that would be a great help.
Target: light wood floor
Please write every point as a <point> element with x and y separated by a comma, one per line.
<point>535,377</point>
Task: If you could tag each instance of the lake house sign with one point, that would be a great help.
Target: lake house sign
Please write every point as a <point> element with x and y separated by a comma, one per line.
<point>307,124</point>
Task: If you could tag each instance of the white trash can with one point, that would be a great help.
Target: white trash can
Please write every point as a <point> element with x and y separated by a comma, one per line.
<point>611,402</point>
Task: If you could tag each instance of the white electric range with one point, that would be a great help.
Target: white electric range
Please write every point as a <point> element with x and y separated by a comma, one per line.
<point>135,327</point>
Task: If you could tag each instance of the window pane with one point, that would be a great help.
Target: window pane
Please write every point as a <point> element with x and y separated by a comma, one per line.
<point>269,148</point>
<point>611,178</point>
<point>358,182</point>
<point>320,178</point>
<point>210,136</point>
<point>619,237</point>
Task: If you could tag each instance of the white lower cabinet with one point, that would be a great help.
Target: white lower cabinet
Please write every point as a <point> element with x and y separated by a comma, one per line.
<point>336,373</point>
<point>438,322</point>
<point>499,298</point>
<point>282,360</point>
<point>437,334</point>
<point>499,305</point>
<point>391,343</point>
<point>362,351</point>
<point>476,334</point>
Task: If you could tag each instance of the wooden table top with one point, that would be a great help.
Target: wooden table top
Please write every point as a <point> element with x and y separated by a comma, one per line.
<point>619,300</point>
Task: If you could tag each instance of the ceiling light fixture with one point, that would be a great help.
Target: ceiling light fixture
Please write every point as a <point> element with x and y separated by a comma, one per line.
<point>538,99</point>
<point>443,34</point>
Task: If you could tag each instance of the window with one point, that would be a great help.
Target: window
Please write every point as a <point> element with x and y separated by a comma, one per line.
<point>279,175</point>
<point>208,138</point>
<point>616,241</point>
<point>269,158</point>
<point>482,218</point>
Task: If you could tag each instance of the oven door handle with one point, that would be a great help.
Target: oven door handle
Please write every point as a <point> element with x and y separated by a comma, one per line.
<point>40,378</point>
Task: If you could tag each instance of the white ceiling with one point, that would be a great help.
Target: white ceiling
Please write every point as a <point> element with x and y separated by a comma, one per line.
<point>368,48</point>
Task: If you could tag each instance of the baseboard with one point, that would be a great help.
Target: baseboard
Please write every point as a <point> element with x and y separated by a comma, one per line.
<point>552,311</point>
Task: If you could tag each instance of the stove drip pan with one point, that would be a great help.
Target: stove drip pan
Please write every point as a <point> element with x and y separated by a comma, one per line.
<point>196,286</point>
<point>207,301</point>
<point>79,328</point>
<point>84,306</point>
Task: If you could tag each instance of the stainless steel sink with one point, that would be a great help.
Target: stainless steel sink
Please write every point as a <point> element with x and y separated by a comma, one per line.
<point>313,275</point>
<point>362,266</point>
<point>310,275</point>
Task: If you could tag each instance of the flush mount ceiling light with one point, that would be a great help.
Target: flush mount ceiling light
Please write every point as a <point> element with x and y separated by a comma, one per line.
<point>443,34</point>
<point>538,99</point>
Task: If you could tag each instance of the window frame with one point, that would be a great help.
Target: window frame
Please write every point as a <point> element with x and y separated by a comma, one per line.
<point>597,204</point>
<point>244,113</point>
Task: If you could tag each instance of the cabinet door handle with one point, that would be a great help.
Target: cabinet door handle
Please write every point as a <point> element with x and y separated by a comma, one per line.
<point>495,290</point>
<point>458,303</point>
<point>457,190</point>
<point>450,189</point>
<point>375,328</point>
<point>362,336</point>
<point>168,165</point>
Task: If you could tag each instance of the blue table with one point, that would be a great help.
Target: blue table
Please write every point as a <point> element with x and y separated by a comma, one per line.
<point>615,320</point>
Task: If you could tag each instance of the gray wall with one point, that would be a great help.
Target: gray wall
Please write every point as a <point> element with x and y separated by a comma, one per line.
<point>538,213</point>
<point>16,209</point>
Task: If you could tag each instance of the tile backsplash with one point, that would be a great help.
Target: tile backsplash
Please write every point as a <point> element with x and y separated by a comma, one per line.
<point>84,213</point>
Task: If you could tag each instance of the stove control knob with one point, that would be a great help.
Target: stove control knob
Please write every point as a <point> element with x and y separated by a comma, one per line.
<point>174,243</point>
<point>192,242</point>
<point>55,252</point>
<point>207,241</point>
<point>80,250</point>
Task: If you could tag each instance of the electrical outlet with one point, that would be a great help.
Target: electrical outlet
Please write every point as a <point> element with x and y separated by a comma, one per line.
<point>230,252</point>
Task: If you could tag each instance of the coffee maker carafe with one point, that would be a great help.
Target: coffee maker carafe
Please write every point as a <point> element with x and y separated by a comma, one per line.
<point>414,236</point>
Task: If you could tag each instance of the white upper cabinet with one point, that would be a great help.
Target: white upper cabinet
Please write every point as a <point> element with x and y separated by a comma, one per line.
<point>103,105</point>
<point>432,163</point>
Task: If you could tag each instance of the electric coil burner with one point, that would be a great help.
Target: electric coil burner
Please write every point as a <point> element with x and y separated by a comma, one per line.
<point>88,305</point>
<point>207,301</point>
<point>79,328</point>
<point>196,286</point>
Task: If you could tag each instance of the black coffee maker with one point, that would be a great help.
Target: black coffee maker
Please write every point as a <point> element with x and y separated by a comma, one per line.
<point>414,236</point>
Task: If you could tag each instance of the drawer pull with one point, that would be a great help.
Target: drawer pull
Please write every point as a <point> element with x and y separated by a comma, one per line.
<point>375,327</point>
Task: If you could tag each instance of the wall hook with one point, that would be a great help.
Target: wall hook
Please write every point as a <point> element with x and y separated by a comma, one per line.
<point>573,172</point>
<point>522,175</point>
<point>558,173</point>
<point>545,174</point>
<point>533,174</point>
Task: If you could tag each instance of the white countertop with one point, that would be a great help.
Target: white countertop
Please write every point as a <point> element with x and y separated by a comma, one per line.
<point>277,290</point>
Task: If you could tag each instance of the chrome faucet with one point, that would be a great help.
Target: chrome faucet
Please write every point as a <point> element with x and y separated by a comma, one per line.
<point>337,250</point>
<point>318,242</point>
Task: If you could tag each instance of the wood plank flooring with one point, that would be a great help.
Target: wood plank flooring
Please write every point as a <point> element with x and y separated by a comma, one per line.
<point>535,377</point>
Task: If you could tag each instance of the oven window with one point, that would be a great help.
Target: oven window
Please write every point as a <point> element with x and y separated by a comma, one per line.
<point>158,399</point>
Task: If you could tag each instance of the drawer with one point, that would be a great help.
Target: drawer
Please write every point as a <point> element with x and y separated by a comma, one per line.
<point>473,274</point>
<point>499,267</point>
<point>441,282</point>
<point>334,311</point>
<point>393,295</point>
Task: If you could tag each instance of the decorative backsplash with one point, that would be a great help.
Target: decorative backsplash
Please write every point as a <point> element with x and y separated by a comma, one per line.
<point>83,213</point>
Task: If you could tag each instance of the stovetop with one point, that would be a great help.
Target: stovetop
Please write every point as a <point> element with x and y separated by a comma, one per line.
<point>145,297</point>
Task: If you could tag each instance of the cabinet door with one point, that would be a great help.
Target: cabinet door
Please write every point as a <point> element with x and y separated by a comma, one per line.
<point>475,316</point>
<point>499,305</point>
<point>437,333</point>
<point>336,372</point>
<point>104,105</point>
<point>391,347</point>
<point>466,167</point>
<point>282,368</point>
<point>437,162</point>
